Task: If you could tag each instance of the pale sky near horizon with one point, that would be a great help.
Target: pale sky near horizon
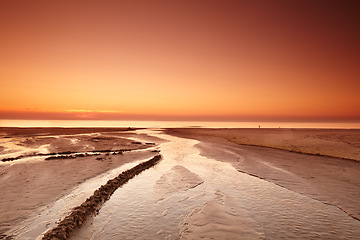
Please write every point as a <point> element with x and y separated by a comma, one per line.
<point>197,60</point>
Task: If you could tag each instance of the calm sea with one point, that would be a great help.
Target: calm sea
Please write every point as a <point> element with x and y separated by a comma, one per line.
<point>166,124</point>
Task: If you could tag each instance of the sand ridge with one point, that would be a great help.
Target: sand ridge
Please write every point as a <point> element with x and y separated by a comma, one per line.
<point>28,186</point>
<point>340,143</point>
<point>178,178</point>
<point>79,214</point>
<point>220,218</point>
<point>333,181</point>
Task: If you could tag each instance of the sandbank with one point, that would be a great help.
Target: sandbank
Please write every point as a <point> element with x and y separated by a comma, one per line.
<point>340,143</point>
<point>331,180</point>
<point>31,183</point>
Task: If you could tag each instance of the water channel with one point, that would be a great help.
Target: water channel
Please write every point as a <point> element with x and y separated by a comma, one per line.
<point>189,196</point>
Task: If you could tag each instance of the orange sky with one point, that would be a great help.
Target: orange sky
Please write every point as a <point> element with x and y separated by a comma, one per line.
<point>180,60</point>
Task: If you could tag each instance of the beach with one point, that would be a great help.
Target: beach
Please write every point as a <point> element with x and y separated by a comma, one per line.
<point>213,178</point>
<point>29,184</point>
<point>326,168</point>
<point>179,120</point>
<point>339,143</point>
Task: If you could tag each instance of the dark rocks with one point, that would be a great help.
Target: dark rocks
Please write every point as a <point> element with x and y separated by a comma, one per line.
<point>117,153</point>
<point>67,154</point>
<point>11,159</point>
<point>60,157</point>
<point>93,203</point>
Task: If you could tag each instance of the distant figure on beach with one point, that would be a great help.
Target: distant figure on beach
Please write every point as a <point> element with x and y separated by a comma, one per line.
<point>259,126</point>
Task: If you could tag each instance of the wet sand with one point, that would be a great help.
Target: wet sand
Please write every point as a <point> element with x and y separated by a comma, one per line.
<point>40,131</point>
<point>31,183</point>
<point>92,204</point>
<point>216,183</point>
<point>217,189</point>
<point>332,180</point>
<point>340,143</point>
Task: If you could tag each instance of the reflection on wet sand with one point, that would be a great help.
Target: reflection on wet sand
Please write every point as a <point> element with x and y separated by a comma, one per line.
<point>211,221</point>
<point>21,147</point>
<point>190,196</point>
<point>31,185</point>
<point>93,203</point>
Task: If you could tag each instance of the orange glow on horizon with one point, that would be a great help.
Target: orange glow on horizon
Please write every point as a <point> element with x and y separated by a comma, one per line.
<point>186,60</point>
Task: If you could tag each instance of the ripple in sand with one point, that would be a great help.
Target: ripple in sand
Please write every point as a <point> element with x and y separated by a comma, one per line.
<point>220,218</point>
<point>177,179</point>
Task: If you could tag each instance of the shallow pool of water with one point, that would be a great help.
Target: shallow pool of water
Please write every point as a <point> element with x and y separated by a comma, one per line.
<point>36,226</point>
<point>189,196</point>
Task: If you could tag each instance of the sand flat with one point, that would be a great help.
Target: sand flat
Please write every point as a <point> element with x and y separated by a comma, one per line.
<point>178,178</point>
<point>341,143</point>
<point>191,173</point>
<point>220,218</point>
<point>231,202</point>
<point>29,184</point>
<point>333,181</point>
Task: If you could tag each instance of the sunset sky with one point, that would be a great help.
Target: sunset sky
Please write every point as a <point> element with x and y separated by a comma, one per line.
<point>180,60</point>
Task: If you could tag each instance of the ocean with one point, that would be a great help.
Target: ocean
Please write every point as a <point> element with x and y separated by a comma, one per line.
<point>168,124</point>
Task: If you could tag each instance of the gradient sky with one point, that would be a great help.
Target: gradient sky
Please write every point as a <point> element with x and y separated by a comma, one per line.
<point>180,60</point>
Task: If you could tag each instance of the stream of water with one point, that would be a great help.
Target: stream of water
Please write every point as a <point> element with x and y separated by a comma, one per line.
<point>189,196</point>
<point>35,227</point>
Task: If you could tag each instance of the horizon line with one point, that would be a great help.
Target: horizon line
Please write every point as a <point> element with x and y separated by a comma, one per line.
<point>121,116</point>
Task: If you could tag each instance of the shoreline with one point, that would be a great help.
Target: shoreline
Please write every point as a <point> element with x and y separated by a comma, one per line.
<point>314,142</point>
<point>305,153</point>
<point>30,184</point>
<point>93,203</point>
<point>252,174</point>
<point>46,131</point>
<point>330,180</point>
<point>29,191</point>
